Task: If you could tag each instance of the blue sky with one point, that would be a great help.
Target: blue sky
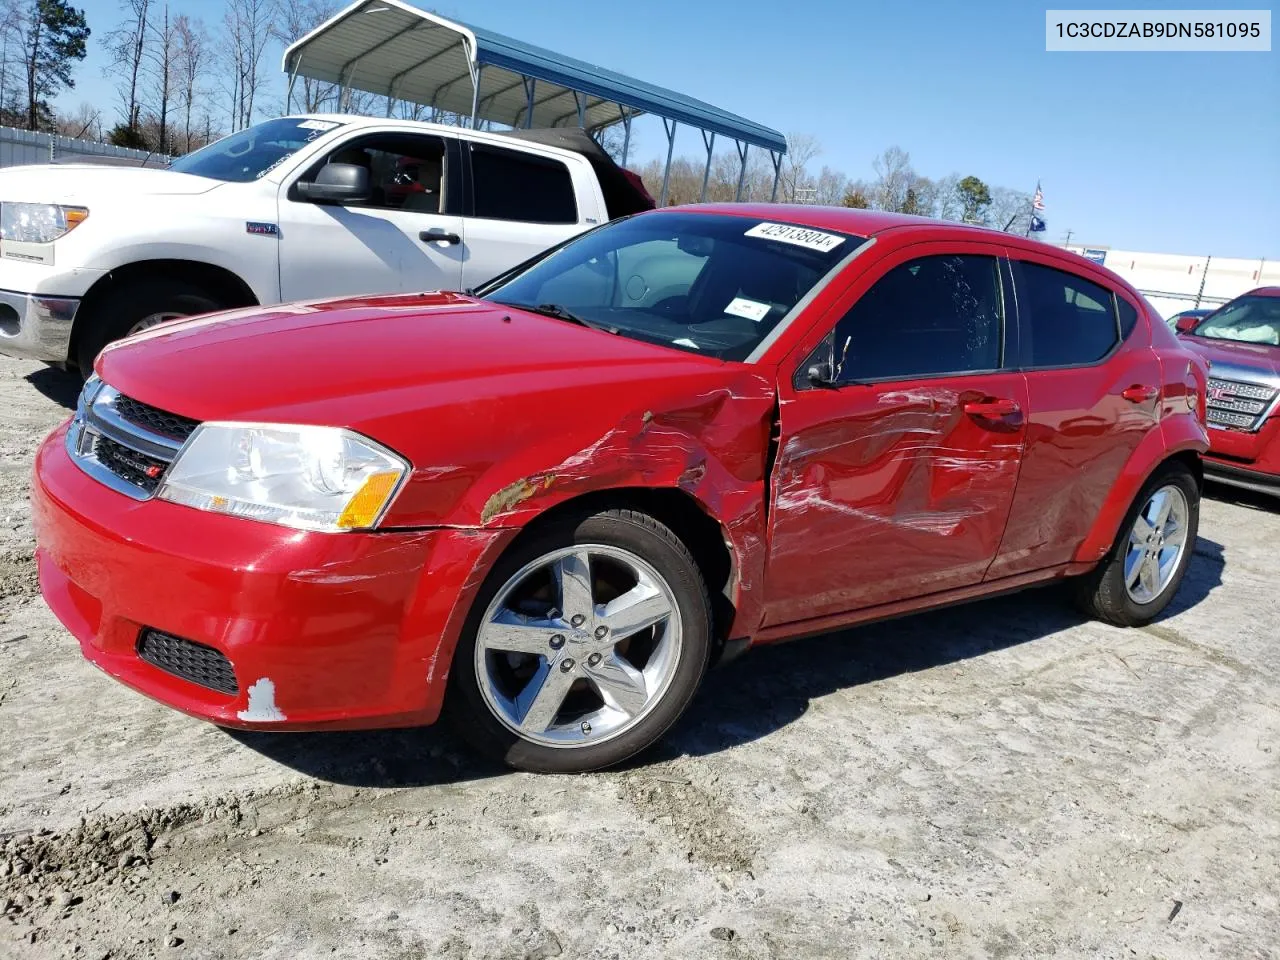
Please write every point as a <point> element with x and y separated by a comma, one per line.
<point>1173,152</point>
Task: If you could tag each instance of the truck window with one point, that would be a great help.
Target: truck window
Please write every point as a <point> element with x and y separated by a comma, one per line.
<point>406,171</point>
<point>510,185</point>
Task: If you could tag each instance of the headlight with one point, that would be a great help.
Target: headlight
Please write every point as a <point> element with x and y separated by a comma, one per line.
<point>315,478</point>
<point>38,222</point>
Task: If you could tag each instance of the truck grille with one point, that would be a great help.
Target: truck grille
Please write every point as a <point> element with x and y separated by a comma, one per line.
<point>123,443</point>
<point>189,660</point>
<point>1237,405</point>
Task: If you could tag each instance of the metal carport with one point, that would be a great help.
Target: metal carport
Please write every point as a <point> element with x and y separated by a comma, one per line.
<point>393,49</point>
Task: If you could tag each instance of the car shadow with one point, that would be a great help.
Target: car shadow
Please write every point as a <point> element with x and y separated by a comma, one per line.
<point>744,700</point>
<point>60,386</point>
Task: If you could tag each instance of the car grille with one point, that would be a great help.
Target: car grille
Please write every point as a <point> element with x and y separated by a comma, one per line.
<point>189,660</point>
<point>1238,405</point>
<point>123,443</point>
<point>158,421</point>
<point>129,465</point>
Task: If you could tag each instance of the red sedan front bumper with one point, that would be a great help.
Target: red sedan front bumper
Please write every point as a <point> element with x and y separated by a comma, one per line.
<point>321,630</point>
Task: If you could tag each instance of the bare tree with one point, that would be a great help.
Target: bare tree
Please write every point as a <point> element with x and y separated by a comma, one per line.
<point>191,58</point>
<point>85,123</point>
<point>1010,210</point>
<point>248,26</point>
<point>893,177</point>
<point>163,73</point>
<point>802,148</point>
<point>127,44</point>
<point>947,204</point>
<point>830,187</point>
<point>294,20</point>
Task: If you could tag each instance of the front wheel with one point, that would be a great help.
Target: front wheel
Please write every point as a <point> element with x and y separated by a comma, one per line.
<point>586,643</point>
<point>1136,581</point>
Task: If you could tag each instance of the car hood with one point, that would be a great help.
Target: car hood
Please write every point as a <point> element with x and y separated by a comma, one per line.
<point>357,362</point>
<point>501,413</point>
<point>1237,356</point>
<point>82,183</point>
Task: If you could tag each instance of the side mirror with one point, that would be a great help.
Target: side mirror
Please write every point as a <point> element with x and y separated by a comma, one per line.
<point>337,183</point>
<point>1187,324</point>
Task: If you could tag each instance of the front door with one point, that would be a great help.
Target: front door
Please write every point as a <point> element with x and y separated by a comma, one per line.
<point>894,477</point>
<point>402,239</point>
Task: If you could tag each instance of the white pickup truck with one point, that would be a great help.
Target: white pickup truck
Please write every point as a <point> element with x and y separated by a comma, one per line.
<point>294,208</point>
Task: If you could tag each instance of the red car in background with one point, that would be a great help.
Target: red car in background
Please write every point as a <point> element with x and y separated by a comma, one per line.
<point>547,507</point>
<point>1241,341</point>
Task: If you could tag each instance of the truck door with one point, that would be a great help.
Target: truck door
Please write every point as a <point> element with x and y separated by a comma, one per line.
<point>405,237</point>
<point>519,204</point>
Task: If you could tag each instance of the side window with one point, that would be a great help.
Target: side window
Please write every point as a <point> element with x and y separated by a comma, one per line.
<point>929,316</point>
<point>1067,320</point>
<point>510,185</point>
<point>405,172</point>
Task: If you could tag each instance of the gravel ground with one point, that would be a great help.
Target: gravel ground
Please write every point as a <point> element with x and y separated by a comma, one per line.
<point>999,780</point>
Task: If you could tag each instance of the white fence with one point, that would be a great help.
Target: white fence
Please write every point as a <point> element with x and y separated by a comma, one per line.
<point>1173,283</point>
<point>25,146</point>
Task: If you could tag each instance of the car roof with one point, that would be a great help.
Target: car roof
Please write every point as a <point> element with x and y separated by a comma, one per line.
<point>870,223</point>
<point>1263,292</point>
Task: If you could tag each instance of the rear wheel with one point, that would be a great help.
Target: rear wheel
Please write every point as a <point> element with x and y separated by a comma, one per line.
<point>585,645</point>
<point>136,307</point>
<point>1141,574</point>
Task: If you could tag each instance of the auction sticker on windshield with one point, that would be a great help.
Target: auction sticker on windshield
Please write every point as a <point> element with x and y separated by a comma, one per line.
<point>750,309</point>
<point>800,236</point>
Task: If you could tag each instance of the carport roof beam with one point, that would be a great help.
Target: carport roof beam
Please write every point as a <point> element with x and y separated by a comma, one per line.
<point>417,63</point>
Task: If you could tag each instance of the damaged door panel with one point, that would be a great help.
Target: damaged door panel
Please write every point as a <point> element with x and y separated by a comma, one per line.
<point>901,443</point>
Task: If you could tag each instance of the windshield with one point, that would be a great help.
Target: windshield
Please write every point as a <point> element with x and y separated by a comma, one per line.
<point>1249,318</point>
<point>254,152</point>
<point>704,283</point>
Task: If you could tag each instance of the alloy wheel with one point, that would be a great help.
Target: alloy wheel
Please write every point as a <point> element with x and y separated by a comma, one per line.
<point>578,646</point>
<point>1157,540</point>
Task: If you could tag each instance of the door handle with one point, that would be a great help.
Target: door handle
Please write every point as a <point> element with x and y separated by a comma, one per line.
<point>438,236</point>
<point>992,409</point>
<point>1139,393</point>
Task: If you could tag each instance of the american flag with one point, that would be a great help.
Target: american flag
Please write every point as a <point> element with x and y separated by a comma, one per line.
<point>1037,202</point>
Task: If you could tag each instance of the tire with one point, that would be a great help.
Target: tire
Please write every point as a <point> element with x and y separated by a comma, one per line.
<point>116,314</point>
<point>1104,593</point>
<point>593,711</point>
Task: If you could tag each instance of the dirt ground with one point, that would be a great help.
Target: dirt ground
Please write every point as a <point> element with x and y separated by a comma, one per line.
<point>1001,780</point>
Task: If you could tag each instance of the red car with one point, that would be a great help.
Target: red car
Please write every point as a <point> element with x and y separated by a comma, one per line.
<point>547,507</point>
<point>1241,341</point>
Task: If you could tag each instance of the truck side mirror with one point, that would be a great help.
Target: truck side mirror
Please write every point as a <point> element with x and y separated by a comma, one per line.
<point>337,183</point>
<point>1187,324</point>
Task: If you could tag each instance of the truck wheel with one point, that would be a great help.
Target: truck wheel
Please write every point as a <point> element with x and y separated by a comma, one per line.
<point>134,307</point>
<point>584,645</point>
<point>1140,575</point>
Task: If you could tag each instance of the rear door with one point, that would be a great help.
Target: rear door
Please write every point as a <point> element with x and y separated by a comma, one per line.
<point>895,479</point>
<point>518,203</point>
<point>406,237</point>
<point>1093,384</point>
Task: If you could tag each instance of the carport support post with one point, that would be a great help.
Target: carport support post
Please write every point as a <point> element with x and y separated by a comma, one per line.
<point>626,135</point>
<point>288,96</point>
<point>777,175</point>
<point>710,143</point>
<point>581,103</point>
<point>671,148</point>
<point>743,147</point>
<point>530,85</point>
<point>476,74</point>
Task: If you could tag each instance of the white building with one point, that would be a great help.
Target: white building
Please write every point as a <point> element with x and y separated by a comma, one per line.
<point>1173,282</point>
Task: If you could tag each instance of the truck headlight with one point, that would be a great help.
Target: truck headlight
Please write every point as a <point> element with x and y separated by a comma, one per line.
<point>38,222</point>
<point>313,478</point>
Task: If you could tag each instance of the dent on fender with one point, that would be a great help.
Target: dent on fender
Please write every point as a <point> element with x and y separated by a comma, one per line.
<point>711,445</point>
